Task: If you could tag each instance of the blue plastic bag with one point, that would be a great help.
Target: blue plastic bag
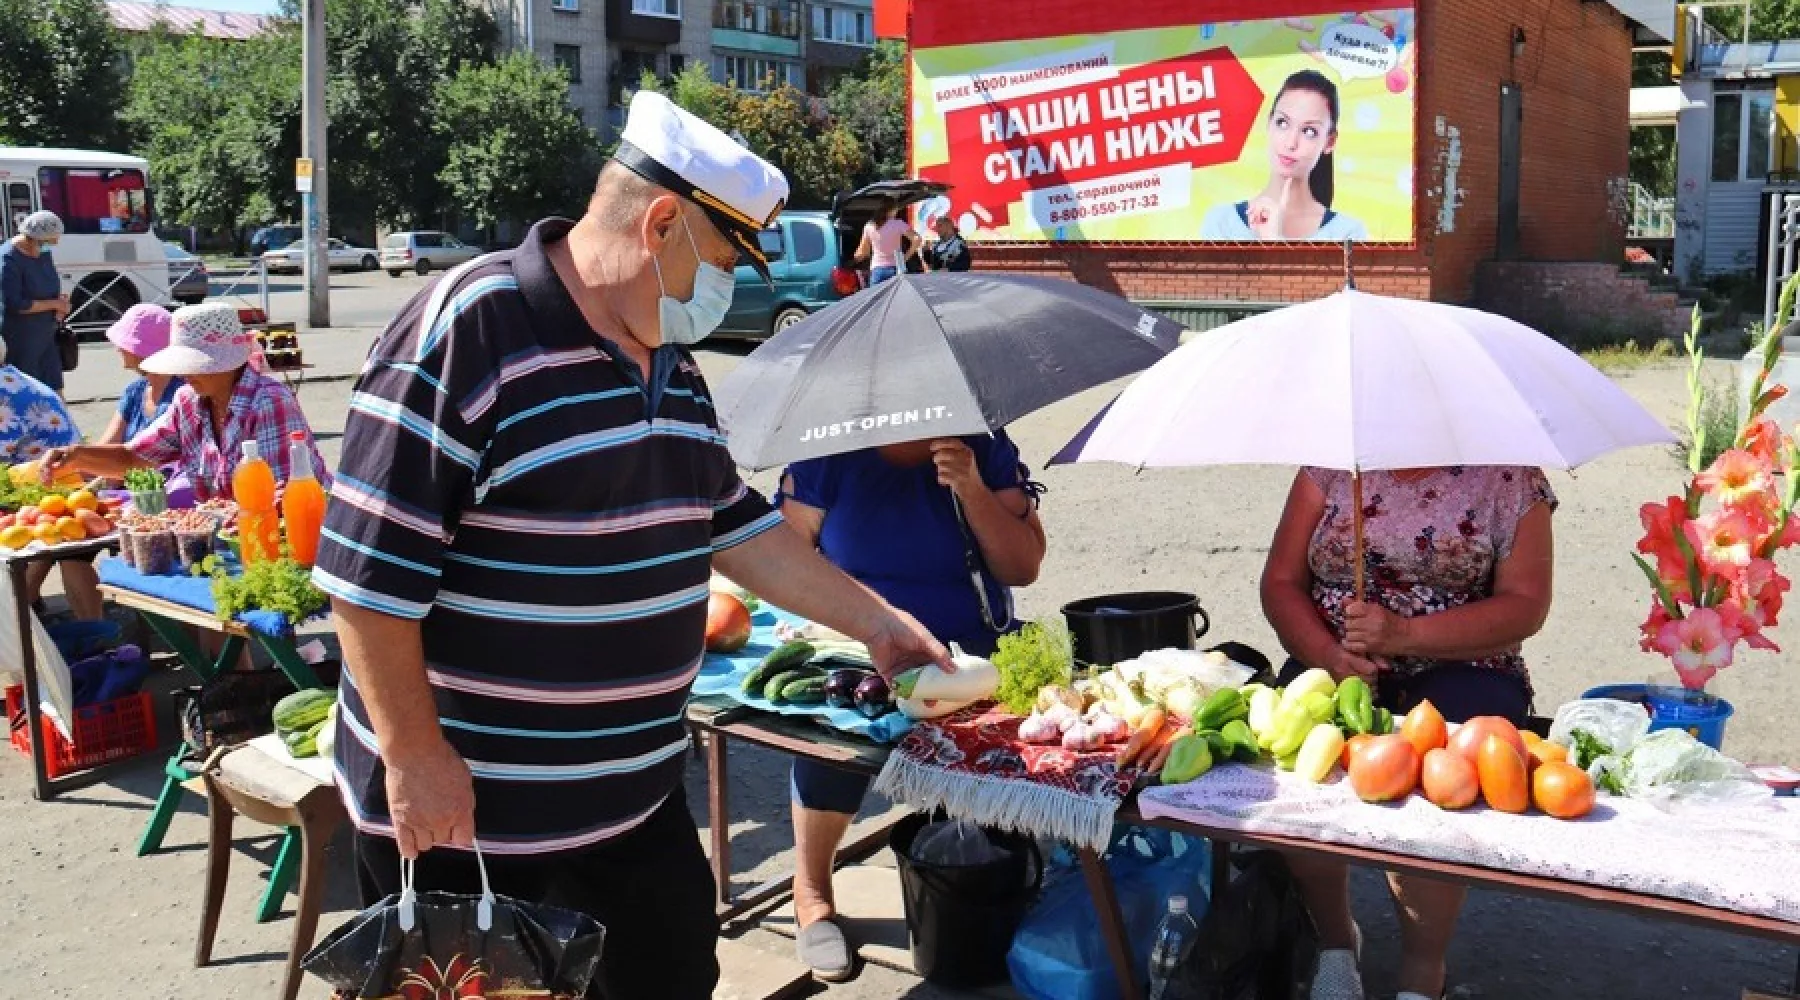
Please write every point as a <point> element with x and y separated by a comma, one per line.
<point>1058,953</point>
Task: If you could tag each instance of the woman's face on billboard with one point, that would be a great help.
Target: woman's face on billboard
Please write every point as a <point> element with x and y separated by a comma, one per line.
<point>1300,131</point>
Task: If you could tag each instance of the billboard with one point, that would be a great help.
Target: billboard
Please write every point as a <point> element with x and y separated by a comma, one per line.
<point>1279,130</point>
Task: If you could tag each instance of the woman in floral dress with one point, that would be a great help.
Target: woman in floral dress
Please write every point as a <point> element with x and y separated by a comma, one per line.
<point>33,420</point>
<point>1457,563</point>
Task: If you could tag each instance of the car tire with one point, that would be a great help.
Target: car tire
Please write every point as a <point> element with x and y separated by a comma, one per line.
<point>393,273</point>
<point>422,268</point>
<point>786,317</point>
<point>191,300</point>
<point>369,263</point>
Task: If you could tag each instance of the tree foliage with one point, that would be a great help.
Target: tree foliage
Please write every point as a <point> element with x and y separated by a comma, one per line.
<point>60,83</point>
<point>516,150</point>
<point>871,105</point>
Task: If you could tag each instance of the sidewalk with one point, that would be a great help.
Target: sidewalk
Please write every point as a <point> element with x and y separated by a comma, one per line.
<point>333,355</point>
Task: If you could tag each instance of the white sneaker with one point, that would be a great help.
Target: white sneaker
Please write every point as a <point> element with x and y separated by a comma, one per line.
<point>1338,975</point>
<point>1409,995</point>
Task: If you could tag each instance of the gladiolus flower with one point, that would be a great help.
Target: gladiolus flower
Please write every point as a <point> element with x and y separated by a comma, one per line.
<point>1699,645</point>
<point>1662,522</point>
<point>1725,539</point>
<point>1737,477</point>
<point>1763,440</point>
<point>1652,627</point>
<point>1757,592</point>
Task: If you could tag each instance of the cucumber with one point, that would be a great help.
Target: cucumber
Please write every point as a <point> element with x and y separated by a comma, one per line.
<point>776,688</point>
<point>805,691</point>
<point>786,657</point>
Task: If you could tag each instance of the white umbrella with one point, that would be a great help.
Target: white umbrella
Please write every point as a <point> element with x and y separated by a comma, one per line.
<point>1362,382</point>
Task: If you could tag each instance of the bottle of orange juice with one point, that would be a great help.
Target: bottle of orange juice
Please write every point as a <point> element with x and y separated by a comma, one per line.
<point>302,502</point>
<point>253,487</point>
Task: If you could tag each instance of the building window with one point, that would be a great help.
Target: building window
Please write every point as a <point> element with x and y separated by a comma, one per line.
<point>677,64</point>
<point>756,75</point>
<point>628,73</point>
<point>571,6</point>
<point>781,19</point>
<point>842,25</point>
<point>1741,124</point>
<point>657,8</point>
<point>569,58</point>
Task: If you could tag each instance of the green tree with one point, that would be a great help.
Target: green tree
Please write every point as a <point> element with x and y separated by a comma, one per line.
<point>60,79</point>
<point>1770,20</point>
<point>871,105</point>
<point>1653,148</point>
<point>516,150</point>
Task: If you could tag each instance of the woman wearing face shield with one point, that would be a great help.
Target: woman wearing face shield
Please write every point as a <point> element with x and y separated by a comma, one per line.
<point>31,299</point>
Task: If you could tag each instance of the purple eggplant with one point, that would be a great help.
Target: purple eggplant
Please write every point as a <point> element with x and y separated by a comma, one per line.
<point>840,687</point>
<point>872,697</point>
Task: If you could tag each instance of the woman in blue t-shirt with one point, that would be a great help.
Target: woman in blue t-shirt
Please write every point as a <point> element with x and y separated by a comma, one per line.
<point>889,517</point>
<point>141,332</point>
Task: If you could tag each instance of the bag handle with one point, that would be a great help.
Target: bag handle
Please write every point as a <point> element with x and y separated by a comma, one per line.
<point>972,559</point>
<point>409,898</point>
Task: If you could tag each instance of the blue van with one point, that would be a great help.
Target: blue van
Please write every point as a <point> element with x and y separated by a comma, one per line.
<point>810,259</point>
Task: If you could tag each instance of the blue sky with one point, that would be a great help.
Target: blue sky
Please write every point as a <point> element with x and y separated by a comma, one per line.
<point>249,6</point>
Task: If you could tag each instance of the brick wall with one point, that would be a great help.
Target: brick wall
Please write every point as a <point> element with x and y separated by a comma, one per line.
<point>1579,301</point>
<point>1575,73</point>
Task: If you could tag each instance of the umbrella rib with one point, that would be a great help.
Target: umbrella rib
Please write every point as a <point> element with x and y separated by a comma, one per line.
<point>803,378</point>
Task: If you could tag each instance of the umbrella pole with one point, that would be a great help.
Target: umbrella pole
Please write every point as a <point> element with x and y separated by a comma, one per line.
<point>1356,527</point>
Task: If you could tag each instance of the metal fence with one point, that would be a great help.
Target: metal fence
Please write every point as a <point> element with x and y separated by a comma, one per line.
<point>1652,217</point>
<point>92,310</point>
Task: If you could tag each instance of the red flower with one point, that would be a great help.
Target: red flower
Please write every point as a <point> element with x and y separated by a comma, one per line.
<point>1662,523</point>
<point>1763,441</point>
<point>1725,539</point>
<point>1738,478</point>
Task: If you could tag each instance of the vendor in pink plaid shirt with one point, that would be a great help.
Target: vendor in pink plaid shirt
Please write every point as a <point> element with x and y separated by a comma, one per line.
<point>224,403</point>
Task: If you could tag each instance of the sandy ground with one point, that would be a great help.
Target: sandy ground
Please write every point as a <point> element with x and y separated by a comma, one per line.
<point>85,918</point>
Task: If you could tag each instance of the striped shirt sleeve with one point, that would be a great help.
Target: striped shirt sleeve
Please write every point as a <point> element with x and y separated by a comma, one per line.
<point>412,444</point>
<point>160,443</point>
<point>740,514</point>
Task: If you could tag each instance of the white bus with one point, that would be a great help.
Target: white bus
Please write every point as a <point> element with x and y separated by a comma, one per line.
<point>109,258</point>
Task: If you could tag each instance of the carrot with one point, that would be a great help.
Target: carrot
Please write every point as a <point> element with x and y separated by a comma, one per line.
<point>1159,754</point>
<point>1143,735</point>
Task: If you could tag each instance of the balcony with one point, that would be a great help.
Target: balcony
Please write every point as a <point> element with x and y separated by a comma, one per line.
<point>648,22</point>
<point>759,26</point>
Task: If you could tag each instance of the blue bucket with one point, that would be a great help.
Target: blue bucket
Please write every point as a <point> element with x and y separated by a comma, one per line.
<point>1702,715</point>
<point>79,640</point>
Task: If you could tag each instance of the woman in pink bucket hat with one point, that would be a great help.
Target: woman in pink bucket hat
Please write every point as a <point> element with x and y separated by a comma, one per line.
<point>141,332</point>
<point>225,405</point>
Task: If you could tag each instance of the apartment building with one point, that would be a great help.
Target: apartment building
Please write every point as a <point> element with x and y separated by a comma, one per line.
<point>607,45</point>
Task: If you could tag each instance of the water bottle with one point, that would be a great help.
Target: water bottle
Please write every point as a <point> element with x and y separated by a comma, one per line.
<point>1175,936</point>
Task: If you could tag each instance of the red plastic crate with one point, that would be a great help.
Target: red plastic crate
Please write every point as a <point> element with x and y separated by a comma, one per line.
<point>109,731</point>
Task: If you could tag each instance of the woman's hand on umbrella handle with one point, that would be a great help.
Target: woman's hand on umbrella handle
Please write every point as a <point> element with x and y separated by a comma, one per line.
<point>1348,664</point>
<point>1370,629</point>
<point>956,466</point>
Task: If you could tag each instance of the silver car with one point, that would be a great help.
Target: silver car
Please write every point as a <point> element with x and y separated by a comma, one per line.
<point>189,283</point>
<point>423,252</point>
<point>343,257</point>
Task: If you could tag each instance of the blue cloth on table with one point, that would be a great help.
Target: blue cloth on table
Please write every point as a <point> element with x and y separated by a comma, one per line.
<point>722,674</point>
<point>189,592</point>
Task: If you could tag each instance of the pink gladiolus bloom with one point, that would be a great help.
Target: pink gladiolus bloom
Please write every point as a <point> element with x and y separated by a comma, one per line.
<point>1737,477</point>
<point>1661,523</point>
<point>1725,539</point>
<point>1698,645</point>
<point>1757,591</point>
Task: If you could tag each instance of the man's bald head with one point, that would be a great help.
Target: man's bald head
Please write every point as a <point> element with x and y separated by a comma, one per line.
<point>621,196</point>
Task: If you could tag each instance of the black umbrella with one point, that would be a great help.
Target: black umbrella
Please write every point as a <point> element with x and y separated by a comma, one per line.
<point>928,356</point>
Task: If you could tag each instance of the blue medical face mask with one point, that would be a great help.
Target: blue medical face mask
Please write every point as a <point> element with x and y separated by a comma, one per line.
<point>686,323</point>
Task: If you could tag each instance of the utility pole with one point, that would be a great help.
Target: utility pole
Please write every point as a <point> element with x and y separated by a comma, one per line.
<point>311,173</point>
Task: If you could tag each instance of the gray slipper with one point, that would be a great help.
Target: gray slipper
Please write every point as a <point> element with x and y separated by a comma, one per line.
<point>822,948</point>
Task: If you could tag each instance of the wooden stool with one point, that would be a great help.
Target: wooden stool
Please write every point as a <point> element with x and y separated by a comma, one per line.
<point>246,780</point>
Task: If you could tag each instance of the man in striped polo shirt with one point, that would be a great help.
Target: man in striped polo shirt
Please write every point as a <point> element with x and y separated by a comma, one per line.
<point>533,493</point>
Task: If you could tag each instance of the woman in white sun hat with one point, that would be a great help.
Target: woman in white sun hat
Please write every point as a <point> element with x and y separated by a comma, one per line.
<point>224,404</point>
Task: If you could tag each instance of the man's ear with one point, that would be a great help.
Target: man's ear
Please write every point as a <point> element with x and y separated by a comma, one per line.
<point>660,220</point>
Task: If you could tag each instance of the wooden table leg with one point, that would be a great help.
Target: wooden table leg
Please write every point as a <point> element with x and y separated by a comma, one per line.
<point>218,869</point>
<point>718,809</point>
<point>1221,867</point>
<point>174,773</point>
<point>311,835</point>
<point>34,727</point>
<point>1112,921</point>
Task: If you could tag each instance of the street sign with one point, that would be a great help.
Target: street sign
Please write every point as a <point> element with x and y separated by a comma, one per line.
<point>303,175</point>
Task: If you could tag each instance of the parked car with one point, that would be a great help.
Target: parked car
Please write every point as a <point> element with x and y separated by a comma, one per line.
<point>344,257</point>
<point>189,283</point>
<point>273,238</point>
<point>423,251</point>
<point>810,259</point>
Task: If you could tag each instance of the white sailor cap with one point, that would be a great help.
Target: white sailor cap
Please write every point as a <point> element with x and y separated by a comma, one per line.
<point>740,191</point>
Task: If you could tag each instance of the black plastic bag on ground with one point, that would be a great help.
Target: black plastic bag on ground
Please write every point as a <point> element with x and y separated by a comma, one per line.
<point>436,945</point>
<point>1257,941</point>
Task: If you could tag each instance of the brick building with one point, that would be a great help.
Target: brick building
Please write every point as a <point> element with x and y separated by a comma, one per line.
<point>1521,186</point>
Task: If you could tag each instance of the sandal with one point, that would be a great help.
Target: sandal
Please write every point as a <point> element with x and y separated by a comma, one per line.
<point>1338,975</point>
<point>822,948</point>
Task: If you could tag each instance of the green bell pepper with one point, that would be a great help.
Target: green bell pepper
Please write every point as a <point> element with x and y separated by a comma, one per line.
<point>1189,758</point>
<point>1355,706</point>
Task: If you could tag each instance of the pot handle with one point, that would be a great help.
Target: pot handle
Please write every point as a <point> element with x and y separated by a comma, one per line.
<point>1205,624</point>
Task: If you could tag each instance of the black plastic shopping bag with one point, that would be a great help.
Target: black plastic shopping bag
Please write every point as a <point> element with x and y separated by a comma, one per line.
<point>444,946</point>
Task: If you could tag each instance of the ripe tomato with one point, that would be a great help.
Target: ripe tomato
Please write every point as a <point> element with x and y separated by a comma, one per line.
<point>1449,781</point>
<point>1424,728</point>
<point>1562,790</point>
<point>1386,768</point>
<point>1469,737</point>
<point>1503,778</point>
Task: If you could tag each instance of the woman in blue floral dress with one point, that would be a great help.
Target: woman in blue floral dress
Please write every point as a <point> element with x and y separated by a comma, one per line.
<point>34,420</point>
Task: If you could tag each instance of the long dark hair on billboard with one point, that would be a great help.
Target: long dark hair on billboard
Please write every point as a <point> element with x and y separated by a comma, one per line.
<point>1322,180</point>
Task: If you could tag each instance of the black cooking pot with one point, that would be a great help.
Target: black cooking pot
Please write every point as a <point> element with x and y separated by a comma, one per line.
<point>1117,627</point>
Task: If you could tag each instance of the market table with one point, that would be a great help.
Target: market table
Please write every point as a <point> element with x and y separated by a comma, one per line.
<point>168,619</point>
<point>718,720</point>
<point>17,564</point>
<point>1223,838</point>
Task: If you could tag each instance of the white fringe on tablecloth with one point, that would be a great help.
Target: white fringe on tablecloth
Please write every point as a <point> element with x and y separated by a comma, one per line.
<point>1022,807</point>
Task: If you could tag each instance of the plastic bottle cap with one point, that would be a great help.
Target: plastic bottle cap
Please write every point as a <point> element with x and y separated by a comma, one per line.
<point>250,450</point>
<point>1177,905</point>
<point>297,436</point>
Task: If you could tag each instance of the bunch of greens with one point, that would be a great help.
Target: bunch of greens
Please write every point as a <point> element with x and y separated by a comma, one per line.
<point>282,586</point>
<point>15,495</point>
<point>144,480</point>
<point>1037,655</point>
